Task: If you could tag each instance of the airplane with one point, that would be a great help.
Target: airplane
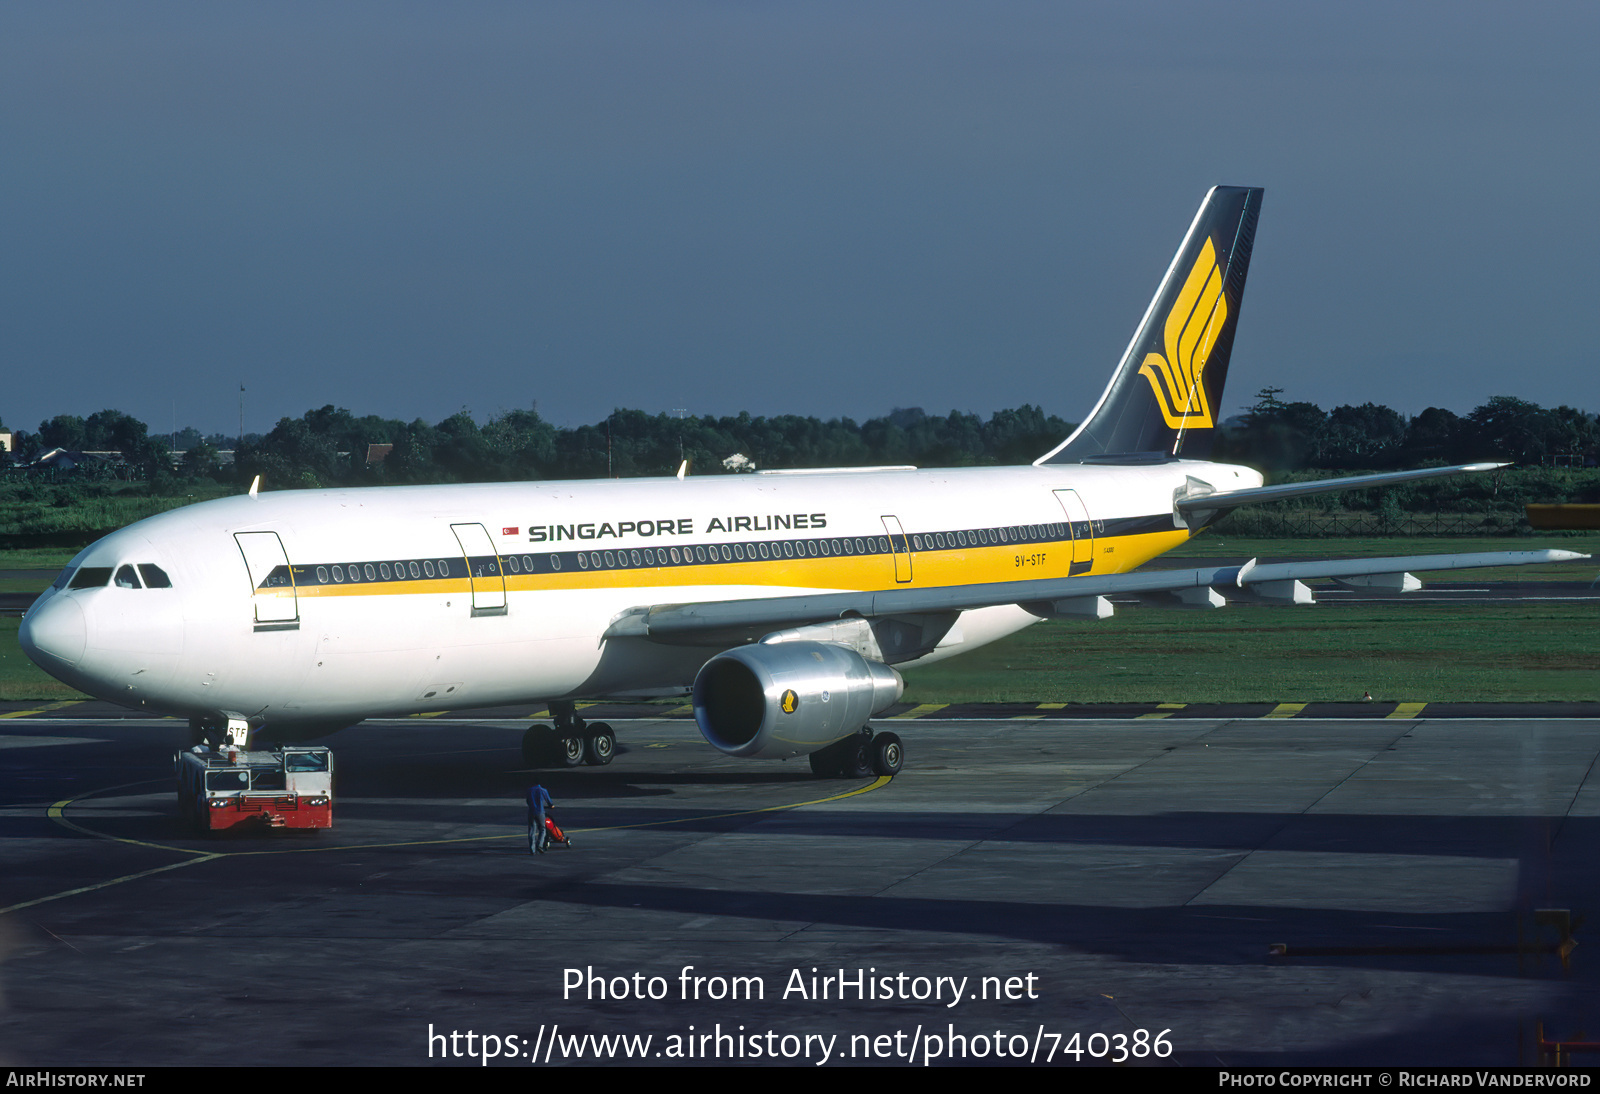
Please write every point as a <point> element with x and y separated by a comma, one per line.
<point>785,602</point>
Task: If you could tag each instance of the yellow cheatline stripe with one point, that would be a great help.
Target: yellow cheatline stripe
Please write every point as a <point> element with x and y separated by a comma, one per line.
<point>919,711</point>
<point>41,710</point>
<point>1164,710</point>
<point>943,567</point>
<point>1285,710</point>
<point>1407,710</point>
<point>431,714</point>
<point>56,814</point>
<point>686,708</point>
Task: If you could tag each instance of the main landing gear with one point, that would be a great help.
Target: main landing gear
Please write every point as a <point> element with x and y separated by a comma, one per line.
<point>860,756</point>
<point>570,742</point>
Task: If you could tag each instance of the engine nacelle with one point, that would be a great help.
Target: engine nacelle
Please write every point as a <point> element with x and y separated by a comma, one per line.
<point>773,700</point>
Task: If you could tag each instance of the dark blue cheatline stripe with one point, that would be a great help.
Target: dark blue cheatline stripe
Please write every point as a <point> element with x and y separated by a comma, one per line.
<point>718,554</point>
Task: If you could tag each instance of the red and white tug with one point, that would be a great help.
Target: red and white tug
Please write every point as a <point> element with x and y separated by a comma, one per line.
<point>228,786</point>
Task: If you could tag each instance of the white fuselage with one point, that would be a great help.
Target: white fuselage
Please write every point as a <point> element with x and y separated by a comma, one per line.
<point>334,605</point>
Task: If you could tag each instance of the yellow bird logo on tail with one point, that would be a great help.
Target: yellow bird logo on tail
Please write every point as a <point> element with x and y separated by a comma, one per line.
<point>1192,328</point>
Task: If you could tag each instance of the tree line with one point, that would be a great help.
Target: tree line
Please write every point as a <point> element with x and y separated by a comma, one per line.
<point>331,446</point>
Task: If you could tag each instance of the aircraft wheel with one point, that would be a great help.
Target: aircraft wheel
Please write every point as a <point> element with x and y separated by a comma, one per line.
<point>822,765</point>
<point>847,759</point>
<point>856,756</point>
<point>573,751</point>
<point>539,746</point>
<point>887,753</point>
<point>602,744</point>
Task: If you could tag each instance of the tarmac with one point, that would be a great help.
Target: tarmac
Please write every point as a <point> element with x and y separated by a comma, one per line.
<point>1173,886</point>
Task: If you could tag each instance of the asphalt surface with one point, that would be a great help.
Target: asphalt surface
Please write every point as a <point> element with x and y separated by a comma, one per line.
<point>1271,890</point>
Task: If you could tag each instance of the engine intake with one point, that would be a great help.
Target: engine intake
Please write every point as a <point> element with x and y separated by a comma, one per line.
<point>773,700</point>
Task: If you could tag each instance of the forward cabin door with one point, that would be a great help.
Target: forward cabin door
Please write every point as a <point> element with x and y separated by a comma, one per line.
<point>1082,530</point>
<point>483,566</point>
<point>277,606</point>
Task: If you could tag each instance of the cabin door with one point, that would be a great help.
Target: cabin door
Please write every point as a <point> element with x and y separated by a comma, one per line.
<point>277,607</point>
<point>483,567</point>
<point>901,546</point>
<point>1082,530</point>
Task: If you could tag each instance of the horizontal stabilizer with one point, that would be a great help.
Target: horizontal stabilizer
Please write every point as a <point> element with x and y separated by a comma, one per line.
<point>1232,499</point>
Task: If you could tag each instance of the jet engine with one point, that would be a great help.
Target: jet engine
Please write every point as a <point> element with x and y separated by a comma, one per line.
<point>774,700</point>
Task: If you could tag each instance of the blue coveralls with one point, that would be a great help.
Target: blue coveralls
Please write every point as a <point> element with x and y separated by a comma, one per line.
<point>538,802</point>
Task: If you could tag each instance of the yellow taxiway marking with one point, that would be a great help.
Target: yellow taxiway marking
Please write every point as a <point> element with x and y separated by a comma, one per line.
<point>57,813</point>
<point>41,710</point>
<point>919,711</point>
<point>1164,710</point>
<point>686,708</point>
<point>1407,710</point>
<point>107,884</point>
<point>1285,710</point>
<point>1037,717</point>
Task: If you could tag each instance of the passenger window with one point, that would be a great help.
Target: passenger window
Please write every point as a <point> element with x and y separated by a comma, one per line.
<point>414,571</point>
<point>91,577</point>
<point>127,578</point>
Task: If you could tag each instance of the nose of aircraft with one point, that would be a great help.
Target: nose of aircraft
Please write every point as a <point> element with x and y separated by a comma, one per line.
<point>56,628</point>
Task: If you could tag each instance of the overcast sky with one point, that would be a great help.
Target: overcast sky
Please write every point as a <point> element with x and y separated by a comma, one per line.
<point>816,208</point>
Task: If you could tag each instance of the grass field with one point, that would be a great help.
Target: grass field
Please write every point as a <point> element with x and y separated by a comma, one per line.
<point>1400,652</point>
<point>1245,653</point>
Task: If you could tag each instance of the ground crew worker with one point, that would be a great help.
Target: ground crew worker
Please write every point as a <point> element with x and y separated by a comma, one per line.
<point>538,802</point>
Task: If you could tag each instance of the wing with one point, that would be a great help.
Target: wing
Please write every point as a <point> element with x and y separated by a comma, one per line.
<point>748,620</point>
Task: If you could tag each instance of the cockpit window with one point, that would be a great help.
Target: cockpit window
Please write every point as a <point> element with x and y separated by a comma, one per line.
<point>154,576</point>
<point>91,577</point>
<point>65,576</point>
<point>127,579</point>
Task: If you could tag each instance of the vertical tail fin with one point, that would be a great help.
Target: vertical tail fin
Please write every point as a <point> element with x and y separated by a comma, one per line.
<point>1166,396</point>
